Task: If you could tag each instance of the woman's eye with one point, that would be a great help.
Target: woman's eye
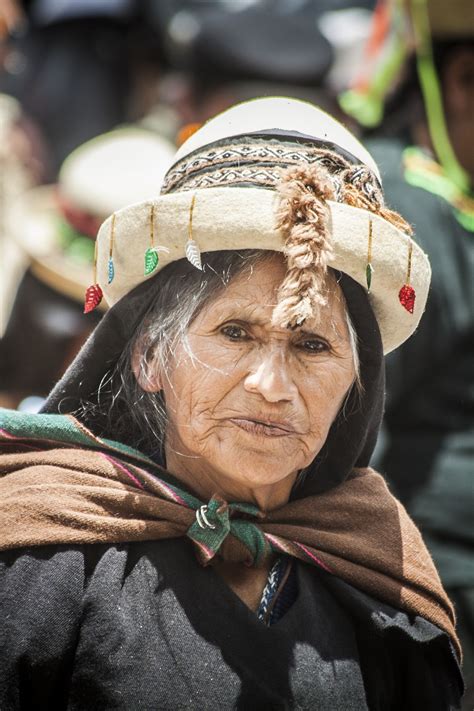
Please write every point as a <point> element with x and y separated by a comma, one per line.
<point>234,333</point>
<point>313,345</point>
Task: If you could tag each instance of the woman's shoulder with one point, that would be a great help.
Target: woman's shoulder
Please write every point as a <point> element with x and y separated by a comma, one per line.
<point>79,563</point>
<point>401,655</point>
<point>46,589</point>
<point>73,573</point>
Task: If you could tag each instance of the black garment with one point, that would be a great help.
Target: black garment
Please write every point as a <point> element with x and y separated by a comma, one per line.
<point>430,378</point>
<point>44,333</point>
<point>143,626</point>
<point>430,381</point>
<point>429,420</point>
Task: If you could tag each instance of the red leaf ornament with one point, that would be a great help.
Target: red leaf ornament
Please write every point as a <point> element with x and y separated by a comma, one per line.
<point>406,296</point>
<point>93,298</point>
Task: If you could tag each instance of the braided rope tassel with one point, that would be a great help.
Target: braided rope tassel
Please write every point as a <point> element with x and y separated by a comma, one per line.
<point>304,217</point>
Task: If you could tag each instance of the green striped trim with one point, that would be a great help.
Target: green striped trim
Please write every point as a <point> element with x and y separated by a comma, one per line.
<point>61,430</point>
<point>423,172</point>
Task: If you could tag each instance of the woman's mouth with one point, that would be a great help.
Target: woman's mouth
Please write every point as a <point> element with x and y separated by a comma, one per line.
<point>263,427</point>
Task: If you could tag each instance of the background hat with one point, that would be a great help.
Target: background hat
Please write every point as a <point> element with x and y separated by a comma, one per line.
<point>221,193</point>
<point>252,42</point>
<point>56,225</point>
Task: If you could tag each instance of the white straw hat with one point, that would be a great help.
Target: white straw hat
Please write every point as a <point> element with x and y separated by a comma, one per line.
<point>256,177</point>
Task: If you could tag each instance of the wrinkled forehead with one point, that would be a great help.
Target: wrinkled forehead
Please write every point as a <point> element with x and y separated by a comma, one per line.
<point>253,294</point>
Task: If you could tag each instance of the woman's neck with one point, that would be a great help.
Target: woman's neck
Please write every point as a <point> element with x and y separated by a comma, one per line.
<point>196,475</point>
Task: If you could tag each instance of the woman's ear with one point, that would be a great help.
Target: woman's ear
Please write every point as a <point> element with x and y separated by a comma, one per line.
<point>147,376</point>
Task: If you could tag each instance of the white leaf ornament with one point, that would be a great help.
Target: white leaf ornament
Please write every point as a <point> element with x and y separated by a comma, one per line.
<point>193,254</point>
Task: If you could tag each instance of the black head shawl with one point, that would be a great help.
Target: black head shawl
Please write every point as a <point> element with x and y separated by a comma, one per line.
<point>352,437</point>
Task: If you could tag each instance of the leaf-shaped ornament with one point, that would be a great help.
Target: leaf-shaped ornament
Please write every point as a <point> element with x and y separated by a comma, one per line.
<point>193,254</point>
<point>369,270</point>
<point>111,270</point>
<point>93,298</point>
<point>407,296</point>
<point>151,260</point>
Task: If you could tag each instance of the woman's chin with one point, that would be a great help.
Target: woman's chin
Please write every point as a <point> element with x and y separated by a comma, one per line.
<point>253,469</point>
<point>263,453</point>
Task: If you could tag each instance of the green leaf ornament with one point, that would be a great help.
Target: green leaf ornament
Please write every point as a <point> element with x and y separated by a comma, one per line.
<point>151,260</point>
<point>369,270</point>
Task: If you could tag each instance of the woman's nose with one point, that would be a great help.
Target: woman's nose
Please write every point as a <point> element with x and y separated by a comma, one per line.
<point>271,379</point>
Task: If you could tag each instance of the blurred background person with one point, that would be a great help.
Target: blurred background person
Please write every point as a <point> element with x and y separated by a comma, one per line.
<point>54,228</point>
<point>223,52</point>
<point>422,82</point>
<point>78,67</point>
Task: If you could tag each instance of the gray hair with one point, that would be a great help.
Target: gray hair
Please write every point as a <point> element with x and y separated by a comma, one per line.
<point>139,417</point>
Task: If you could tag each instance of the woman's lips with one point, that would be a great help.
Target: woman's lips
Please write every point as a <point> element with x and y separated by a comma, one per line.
<point>261,427</point>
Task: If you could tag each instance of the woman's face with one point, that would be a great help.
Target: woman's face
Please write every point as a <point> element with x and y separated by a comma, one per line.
<point>250,403</point>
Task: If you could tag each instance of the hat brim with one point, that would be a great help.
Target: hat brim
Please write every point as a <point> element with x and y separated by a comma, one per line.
<point>237,218</point>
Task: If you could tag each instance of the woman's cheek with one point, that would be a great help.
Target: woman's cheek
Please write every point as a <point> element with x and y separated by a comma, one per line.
<point>195,408</point>
<point>324,394</point>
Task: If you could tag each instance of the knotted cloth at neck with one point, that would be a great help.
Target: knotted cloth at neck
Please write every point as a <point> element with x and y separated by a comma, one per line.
<point>216,520</point>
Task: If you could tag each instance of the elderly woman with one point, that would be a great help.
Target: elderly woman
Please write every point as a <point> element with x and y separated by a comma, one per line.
<point>198,527</point>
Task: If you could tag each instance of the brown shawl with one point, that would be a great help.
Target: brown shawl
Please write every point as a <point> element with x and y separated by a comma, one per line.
<point>357,531</point>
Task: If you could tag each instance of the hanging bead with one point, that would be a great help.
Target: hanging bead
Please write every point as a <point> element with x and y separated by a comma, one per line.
<point>369,270</point>
<point>407,296</point>
<point>192,251</point>
<point>111,270</point>
<point>151,260</point>
<point>94,292</point>
<point>151,255</point>
<point>93,298</point>
<point>193,254</point>
<point>110,265</point>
